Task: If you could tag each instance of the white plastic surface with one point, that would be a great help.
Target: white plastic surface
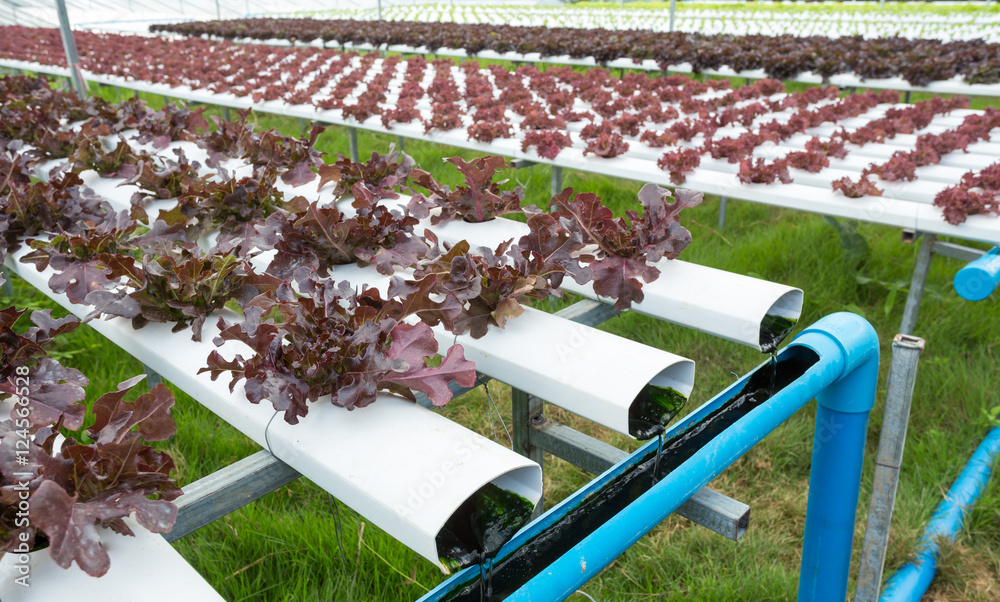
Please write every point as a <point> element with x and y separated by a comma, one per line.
<point>720,303</point>
<point>899,207</point>
<point>333,447</point>
<point>144,567</point>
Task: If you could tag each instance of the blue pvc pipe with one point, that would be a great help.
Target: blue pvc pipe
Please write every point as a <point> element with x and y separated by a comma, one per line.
<point>979,278</point>
<point>833,500</point>
<point>847,347</point>
<point>912,580</point>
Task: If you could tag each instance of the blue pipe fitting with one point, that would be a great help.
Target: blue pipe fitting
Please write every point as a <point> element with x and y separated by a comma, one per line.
<point>912,580</point>
<point>847,350</point>
<point>857,343</point>
<point>979,278</point>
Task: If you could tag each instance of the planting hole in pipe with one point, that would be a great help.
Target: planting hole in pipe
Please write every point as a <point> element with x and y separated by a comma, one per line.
<point>513,569</point>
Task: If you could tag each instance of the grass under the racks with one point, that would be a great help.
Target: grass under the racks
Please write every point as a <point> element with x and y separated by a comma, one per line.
<point>285,547</point>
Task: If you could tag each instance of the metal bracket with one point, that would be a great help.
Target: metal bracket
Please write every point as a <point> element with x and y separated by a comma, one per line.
<point>229,489</point>
<point>352,140</point>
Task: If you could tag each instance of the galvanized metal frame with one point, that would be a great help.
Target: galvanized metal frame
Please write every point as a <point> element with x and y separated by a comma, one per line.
<point>906,352</point>
<point>929,246</point>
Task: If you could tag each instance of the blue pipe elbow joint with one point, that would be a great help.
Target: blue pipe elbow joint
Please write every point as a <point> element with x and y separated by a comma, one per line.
<point>979,278</point>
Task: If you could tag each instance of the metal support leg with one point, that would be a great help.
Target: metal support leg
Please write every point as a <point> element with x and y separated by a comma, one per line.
<point>352,138</point>
<point>402,144</point>
<point>906,97</point>
<point>902,376</point>
<point>723,202</point>
<point>556,187</point>
<point>153,377</point>
<point>135,93</point>
<point>225,114</point>
<point>917,284</point>
<point>526,409</point>
<point>7,289</point>
<point>303,125</point>
<point>69,46</point>
<point>166,100</point>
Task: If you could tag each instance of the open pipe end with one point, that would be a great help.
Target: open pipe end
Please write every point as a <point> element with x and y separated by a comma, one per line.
<point>742,525</point>
<point>779,320</point>
<point>488,518</point>
<point>662,398</point>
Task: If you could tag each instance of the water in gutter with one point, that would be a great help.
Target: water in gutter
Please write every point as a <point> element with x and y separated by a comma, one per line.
<point>506,574</point>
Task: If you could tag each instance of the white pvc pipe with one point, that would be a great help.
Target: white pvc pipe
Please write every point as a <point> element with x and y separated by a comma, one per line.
<point>590,372</point>
<point>549,357</point>
<point>726,305</point>
<point>587,371</point>
<point>375,459</point>
<point>136,563</point>
<point>879,210</point>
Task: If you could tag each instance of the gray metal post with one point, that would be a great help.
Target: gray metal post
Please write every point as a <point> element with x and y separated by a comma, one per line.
<point>379,14</point>
<point>218,13</point>
<point>906,351</point>
<point>723,202</point>
<point>69,44</point>
<point>525,410</point>
<point>153,377</point>
<point>402,144</point>
<point>8,287</point>
<point>352,138</point>
<point>917,284</point>
<point>225,114</point>
<point>556,187</point>
<point>673,11</point>
<point>303,126</point>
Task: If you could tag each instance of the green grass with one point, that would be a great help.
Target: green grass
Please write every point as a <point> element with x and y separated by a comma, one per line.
<point>285,546</point>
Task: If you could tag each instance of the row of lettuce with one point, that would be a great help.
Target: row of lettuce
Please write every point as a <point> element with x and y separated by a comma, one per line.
<point>274,257</point>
